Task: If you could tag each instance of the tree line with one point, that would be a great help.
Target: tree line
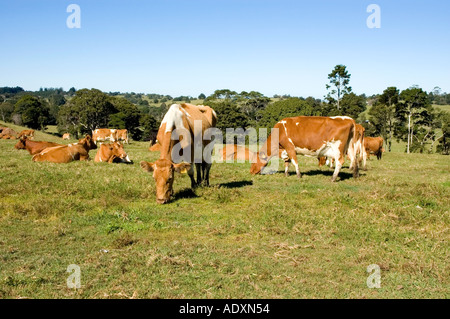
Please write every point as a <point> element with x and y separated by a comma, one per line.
<point>408,115</point>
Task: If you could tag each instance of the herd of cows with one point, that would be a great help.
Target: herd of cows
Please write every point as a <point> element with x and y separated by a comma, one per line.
<point>330,139</point>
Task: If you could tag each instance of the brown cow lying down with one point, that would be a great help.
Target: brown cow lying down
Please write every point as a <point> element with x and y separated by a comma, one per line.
<point>67,153</point>
<point>8,133</point>
<point>26,133</point>
<point>34,147</point>
<point>237,152</point>
<point>7,137</point>
<point>112,153</point>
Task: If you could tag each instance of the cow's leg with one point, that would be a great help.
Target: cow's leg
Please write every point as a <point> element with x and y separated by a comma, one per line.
<point>334,151</point>
<point>286,168</point>
<point>364,160</point>
<point>191,176</point>
<point>338,161</point>
<point>351,151</point>
<point>293,158</point>
<point>198,167</point>
<point>207,168</point>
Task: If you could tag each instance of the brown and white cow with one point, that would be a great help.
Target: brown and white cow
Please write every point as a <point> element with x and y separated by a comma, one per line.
<point>358,145</point>
<point>374,145</point>
<point>112,153</point>
<point>67,153</point>
<point>103,134</point>
<point>122,135</point>
<point>34,147</point>
<point>26,133</point>
<point>66,136</point>
<point>180,117</point>
<point>314,136</point>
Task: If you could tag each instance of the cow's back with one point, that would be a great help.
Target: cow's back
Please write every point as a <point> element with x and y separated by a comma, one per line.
<point>183,117</point>
<point>312,132</point>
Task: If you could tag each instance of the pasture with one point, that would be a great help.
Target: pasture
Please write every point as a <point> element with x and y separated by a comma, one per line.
<point>245,236</point>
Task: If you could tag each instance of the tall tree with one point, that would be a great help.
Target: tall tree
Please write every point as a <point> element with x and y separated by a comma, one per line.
<point>414,109</point>
<point>382,113</point>
<point>339,80</point>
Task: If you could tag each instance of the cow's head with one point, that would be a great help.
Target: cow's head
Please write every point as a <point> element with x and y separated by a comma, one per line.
<point>116,153</point>
<point>259,165</point>
<point>163,173</point>
<point>88,142</point>
<point>21,143</point>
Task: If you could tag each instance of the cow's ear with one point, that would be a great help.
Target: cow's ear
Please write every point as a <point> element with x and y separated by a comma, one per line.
<point>147,166</point>
<point>182,167</point>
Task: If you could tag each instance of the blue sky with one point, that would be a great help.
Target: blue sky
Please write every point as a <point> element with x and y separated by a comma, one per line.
<point>188,47</point>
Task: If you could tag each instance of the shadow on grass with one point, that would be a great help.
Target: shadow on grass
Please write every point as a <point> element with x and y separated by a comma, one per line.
<point>341,176</point>
<point>236,184</point>
<point>184,193</point>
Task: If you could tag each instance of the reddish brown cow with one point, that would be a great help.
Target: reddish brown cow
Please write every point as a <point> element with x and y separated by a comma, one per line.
<point>34,147</point>
<point>112,153</point>
<point>374,145</point>
<point>67,153</point>
<point>310,136</point>
<point>181,117</point>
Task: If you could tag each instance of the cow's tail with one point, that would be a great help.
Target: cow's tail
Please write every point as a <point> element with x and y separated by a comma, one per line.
<point>354,151</point>
<point>363,155</point>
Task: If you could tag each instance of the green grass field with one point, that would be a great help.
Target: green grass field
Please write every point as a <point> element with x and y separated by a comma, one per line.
<point>245,236</point>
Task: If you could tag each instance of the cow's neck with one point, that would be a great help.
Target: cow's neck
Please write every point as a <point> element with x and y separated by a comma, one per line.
<point>166,147</point>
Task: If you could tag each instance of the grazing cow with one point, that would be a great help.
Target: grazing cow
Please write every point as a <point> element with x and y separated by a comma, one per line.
<point>34,147</point>
<point>112,153</point>
<point>237,152</point>
<point>67,153</point>
<point>122,135</point>
<point>66,136</point>
<point>180,117</point>
<point>103,134</point>
<point>374,145</point>
<point>26,133</point>
<point>310,136</point>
